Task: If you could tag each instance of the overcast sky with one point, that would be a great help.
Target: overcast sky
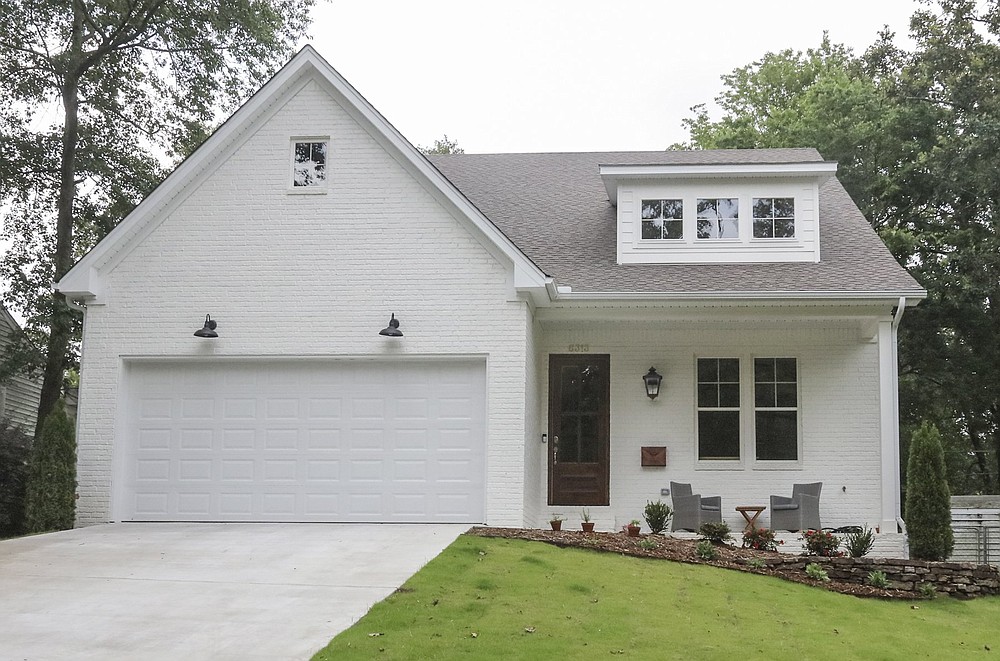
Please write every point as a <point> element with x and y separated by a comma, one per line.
<point>569,75</point>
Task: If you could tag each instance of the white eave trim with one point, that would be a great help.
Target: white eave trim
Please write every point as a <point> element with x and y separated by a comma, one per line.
<point>911,297</point>
<point>612,175</point>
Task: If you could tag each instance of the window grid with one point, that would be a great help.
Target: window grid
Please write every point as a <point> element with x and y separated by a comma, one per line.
<point>776,409</point>
<point>718,409</point>
<point>663,219</point>
<point>773,217</point>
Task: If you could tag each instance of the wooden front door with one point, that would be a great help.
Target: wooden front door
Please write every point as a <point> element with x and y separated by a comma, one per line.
<point>579,428</point>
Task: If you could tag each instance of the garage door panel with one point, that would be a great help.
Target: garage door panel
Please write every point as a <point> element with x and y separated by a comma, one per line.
<point>301,441</point>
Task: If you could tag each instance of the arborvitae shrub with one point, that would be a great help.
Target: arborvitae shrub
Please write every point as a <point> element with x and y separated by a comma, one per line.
<point>14,448</point>
<point>51,498</point>
<point>928,499</point>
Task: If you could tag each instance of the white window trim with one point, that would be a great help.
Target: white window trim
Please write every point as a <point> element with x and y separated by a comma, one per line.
<point>661,241</point>
<point>689,217</point>
<point>770,240</point>
<point>319,189</point>
<point>748,418</point>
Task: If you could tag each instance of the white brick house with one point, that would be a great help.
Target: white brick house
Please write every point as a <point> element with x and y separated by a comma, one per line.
<point>532,296</point>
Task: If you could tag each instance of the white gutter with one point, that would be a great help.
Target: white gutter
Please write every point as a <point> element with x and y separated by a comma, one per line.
<point>729,295</point>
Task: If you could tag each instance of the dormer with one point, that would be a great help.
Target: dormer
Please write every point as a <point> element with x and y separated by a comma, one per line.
<point>717,213</point>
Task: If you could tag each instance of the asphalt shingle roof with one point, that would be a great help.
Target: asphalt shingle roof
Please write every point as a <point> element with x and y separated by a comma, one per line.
<point>555,208</point>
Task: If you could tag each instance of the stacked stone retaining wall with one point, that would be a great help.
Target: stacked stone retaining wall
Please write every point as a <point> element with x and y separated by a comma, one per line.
<point>959,579</point>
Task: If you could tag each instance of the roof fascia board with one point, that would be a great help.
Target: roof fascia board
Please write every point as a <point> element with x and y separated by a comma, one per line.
<point>912,297</point>
<point>613,175</point>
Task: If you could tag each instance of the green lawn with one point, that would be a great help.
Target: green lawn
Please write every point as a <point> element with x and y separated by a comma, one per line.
<point>510,599</point>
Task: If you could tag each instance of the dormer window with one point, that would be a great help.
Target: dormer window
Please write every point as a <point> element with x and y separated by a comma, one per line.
<point>662,219</point>
<point>309,163</point>
<point>773,217</point>
<point>719,218</point>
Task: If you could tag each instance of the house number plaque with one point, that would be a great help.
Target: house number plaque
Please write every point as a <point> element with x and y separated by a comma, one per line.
<point>579,348</point>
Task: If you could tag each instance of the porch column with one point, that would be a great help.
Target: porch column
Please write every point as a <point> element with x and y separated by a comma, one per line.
<point>889,424</point>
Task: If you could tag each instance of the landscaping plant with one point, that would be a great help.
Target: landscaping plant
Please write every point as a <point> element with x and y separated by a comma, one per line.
<point>928,499</point>
<point>657,514</point>
<point>878,579</point>
<point>715,532</point>
<point>927,590</point>
<point>817,573</point>
<point>859,544</point>
<point>648,544</point>
<point>14,448</point>
<point>51,490</point>
<point>821,542</point>
<point>761,539</point>
<point>706,550</point>
<point>756,563</point>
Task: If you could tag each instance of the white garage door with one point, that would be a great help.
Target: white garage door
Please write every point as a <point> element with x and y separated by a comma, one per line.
<point>304,441</point>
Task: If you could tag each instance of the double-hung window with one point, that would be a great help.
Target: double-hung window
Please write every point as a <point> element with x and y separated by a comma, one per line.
<point>309,163</point>
<point>725,416</point>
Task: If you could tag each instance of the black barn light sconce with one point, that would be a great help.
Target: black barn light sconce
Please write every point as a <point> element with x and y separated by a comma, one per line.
<point>652,379</point>
<point>392,330</point>
<point>208,330</point>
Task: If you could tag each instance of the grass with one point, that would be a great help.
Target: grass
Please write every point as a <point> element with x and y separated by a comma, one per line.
<point>498,598</point>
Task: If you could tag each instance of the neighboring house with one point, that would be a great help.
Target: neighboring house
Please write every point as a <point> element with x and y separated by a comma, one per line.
<point>533,292</point>
<point>18,394</point>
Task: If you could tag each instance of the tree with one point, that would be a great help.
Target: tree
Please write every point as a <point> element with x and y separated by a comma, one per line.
<point>14,449</point>
<point>928,500</point>
<point>915,134</point>
<point>128,82</point>
<point>442,146</point>
<point>51,489</point>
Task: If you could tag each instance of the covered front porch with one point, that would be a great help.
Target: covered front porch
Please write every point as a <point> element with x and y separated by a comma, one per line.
<point>754,398</point>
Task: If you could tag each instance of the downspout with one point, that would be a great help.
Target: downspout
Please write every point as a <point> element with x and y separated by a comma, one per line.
<point>896,318</point>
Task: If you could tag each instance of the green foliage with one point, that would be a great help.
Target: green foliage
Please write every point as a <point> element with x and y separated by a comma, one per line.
<point>585,515</point>
<point>762,539</point>
<point>878,579</point>
<point>927,590</point>
<point>859,544</point>
<point>817,573</point>
<point>820,542</point>
<point>657,514</point>
<point>443,146</point>
<point>706,550</point>
<point>51,488</point>
<point>928,500</point>
<point>648,544</point>
<point>14,448</point>
<point>756,563</point>
<point>715,532</point>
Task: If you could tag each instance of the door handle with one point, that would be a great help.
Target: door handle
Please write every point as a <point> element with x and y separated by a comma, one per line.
<point>555,449</point>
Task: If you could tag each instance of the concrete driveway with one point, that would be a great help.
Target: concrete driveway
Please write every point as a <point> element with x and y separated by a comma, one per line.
<point>200,591</point>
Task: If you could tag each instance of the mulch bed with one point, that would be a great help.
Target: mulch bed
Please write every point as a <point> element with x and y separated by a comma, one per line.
<point>683,550</point>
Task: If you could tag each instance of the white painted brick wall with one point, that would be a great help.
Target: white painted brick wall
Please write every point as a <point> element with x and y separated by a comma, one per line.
<point>308,275</point>
<point>839,409</point>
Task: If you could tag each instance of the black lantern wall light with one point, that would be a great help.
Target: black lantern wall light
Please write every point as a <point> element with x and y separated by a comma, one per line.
<point>652,379</point>
<point>392,330</point>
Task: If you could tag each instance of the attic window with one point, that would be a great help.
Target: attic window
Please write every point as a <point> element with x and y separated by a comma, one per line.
<point>719,218</point>
<point>309,163</point>
<point>773,217</point>
<point>662,219</point>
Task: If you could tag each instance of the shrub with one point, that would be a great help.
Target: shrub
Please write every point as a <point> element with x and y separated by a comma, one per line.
<point>927,590</point>
<point>717,533</point>
<point>858,544</point>
<point>928,499</point>
<point>648,544</point>
<point>817,573</point>
<point>761,539</point>
<point>820,542</point>
<point>14,448</point>
<point>756,563</point>
<point>657,514</point>
<point>706,550</point>
<point>878,579</point>
<point>51,491</point>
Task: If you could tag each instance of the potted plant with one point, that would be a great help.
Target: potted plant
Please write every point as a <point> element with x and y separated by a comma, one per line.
<point>586,524</point>
<point>556,521</point>
<point>633,528</point>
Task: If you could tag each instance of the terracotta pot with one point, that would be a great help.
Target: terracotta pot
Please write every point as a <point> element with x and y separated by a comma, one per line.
<point>556,525</point>
<point>588,526</point>
<point>633,531</point>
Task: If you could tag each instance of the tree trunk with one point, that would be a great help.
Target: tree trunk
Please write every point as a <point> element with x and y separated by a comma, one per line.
<point>61,316</point>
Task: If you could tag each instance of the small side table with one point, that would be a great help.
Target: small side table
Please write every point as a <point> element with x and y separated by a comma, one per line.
<point>750,514</point>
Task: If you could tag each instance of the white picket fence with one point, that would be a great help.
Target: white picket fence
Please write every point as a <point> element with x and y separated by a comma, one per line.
<point>975,522</point>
